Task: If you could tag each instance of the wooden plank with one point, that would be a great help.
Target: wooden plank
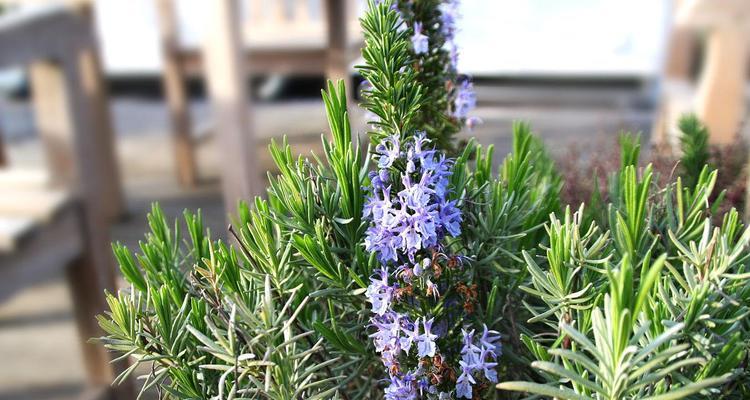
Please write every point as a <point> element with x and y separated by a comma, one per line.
<point>86,100</point>
<point>173,79</point>
<point>96,100</point>
<point>336,23</point>
<point>228,90</point>
<point>681,51</point>
<point>3,155</point>
<point>24,178</point>
<point>682,48</point>
<point>53,121</point>
<point>75,98</point>
<point>721,92</point>
<point>87,304</point>
<point>34,33</point>
<point>720,101</point>
<point>41,205</point>
<point>39,255</point>
<point>65,123</point>
<point>300,61</point>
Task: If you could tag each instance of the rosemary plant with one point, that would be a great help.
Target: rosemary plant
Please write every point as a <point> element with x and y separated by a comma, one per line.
<point>411,55</point>
<point>694,146</point>
<point>413,270</point>
<point>650,305</point>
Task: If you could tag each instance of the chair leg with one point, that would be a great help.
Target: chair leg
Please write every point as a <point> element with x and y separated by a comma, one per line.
<point>337,63</point>
<point>88,276</point>
<point>173,81</point>
<point>3,156</point>
<point>88,301</point>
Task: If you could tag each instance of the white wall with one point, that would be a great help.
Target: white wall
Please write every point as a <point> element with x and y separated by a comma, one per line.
<point>578,37</point>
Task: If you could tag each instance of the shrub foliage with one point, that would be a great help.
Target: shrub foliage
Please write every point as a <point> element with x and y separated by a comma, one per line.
<point>638,294</point>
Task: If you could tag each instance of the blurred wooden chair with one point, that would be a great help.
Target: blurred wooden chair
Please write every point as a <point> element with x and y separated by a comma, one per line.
<point>719,96</point>
<point>58,218</point>
<point>279,37</point>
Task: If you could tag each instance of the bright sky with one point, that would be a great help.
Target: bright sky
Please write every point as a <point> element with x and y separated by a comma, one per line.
<point>603,37</point>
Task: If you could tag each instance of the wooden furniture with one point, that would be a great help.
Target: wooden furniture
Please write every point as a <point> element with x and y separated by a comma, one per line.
<point>719,96</point>
<point>3,155</point>
<point>720,100</point>
<point>229,98</point>
<point>58,218</point>
<point>280,37</point>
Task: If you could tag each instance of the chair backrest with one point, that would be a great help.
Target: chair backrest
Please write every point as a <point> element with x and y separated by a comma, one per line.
<point>288,17</point>
<point>282,11</point>
<point>58,46</point>
<point>291,20</point>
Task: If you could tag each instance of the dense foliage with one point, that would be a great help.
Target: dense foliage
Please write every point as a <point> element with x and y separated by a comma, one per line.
<point>414,270</point>
<point>411,55</point>
<point>647,300</point>
<point>585,175</point>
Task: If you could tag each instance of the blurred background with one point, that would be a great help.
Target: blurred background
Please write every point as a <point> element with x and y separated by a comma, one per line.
<point>107,106</point>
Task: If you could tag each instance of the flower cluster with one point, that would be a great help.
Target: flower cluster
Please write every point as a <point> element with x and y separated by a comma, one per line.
<point>410,217</point>
<point>477,359</point>
<point>419,214</point>
<point>465,100</point>
<point>449,16</point>
<point>463,97</point>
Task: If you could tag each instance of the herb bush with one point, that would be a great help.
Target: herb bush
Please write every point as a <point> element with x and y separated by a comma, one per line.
<point>413,270</point>
<point>585,178</point>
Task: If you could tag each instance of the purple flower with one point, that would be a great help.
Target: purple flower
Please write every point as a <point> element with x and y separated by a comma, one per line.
<point>488,367</point>
<point>426,342</point>
<point>465,100</point>
<point>402,388</point>
<point>379,179</point>
<point>388,151</point>
<point>412,239</point>
<point>418,216</point>
<point>465,382</point>
<point>411,334</point>
<point>409,215</point>
<point>473,122</point>
<point>379,293</point>
<point>415,196</point>
<point>380,208</point>
<point>421,266</point>
<point>477,359</point>
<point>448,17</point>
<point>491,341</point>
<point>450,217</point>
<point>453,51</point>
<point>387,336</point>
<point>418,151</point>
<point>419,40</point>
<point>469,351</point>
